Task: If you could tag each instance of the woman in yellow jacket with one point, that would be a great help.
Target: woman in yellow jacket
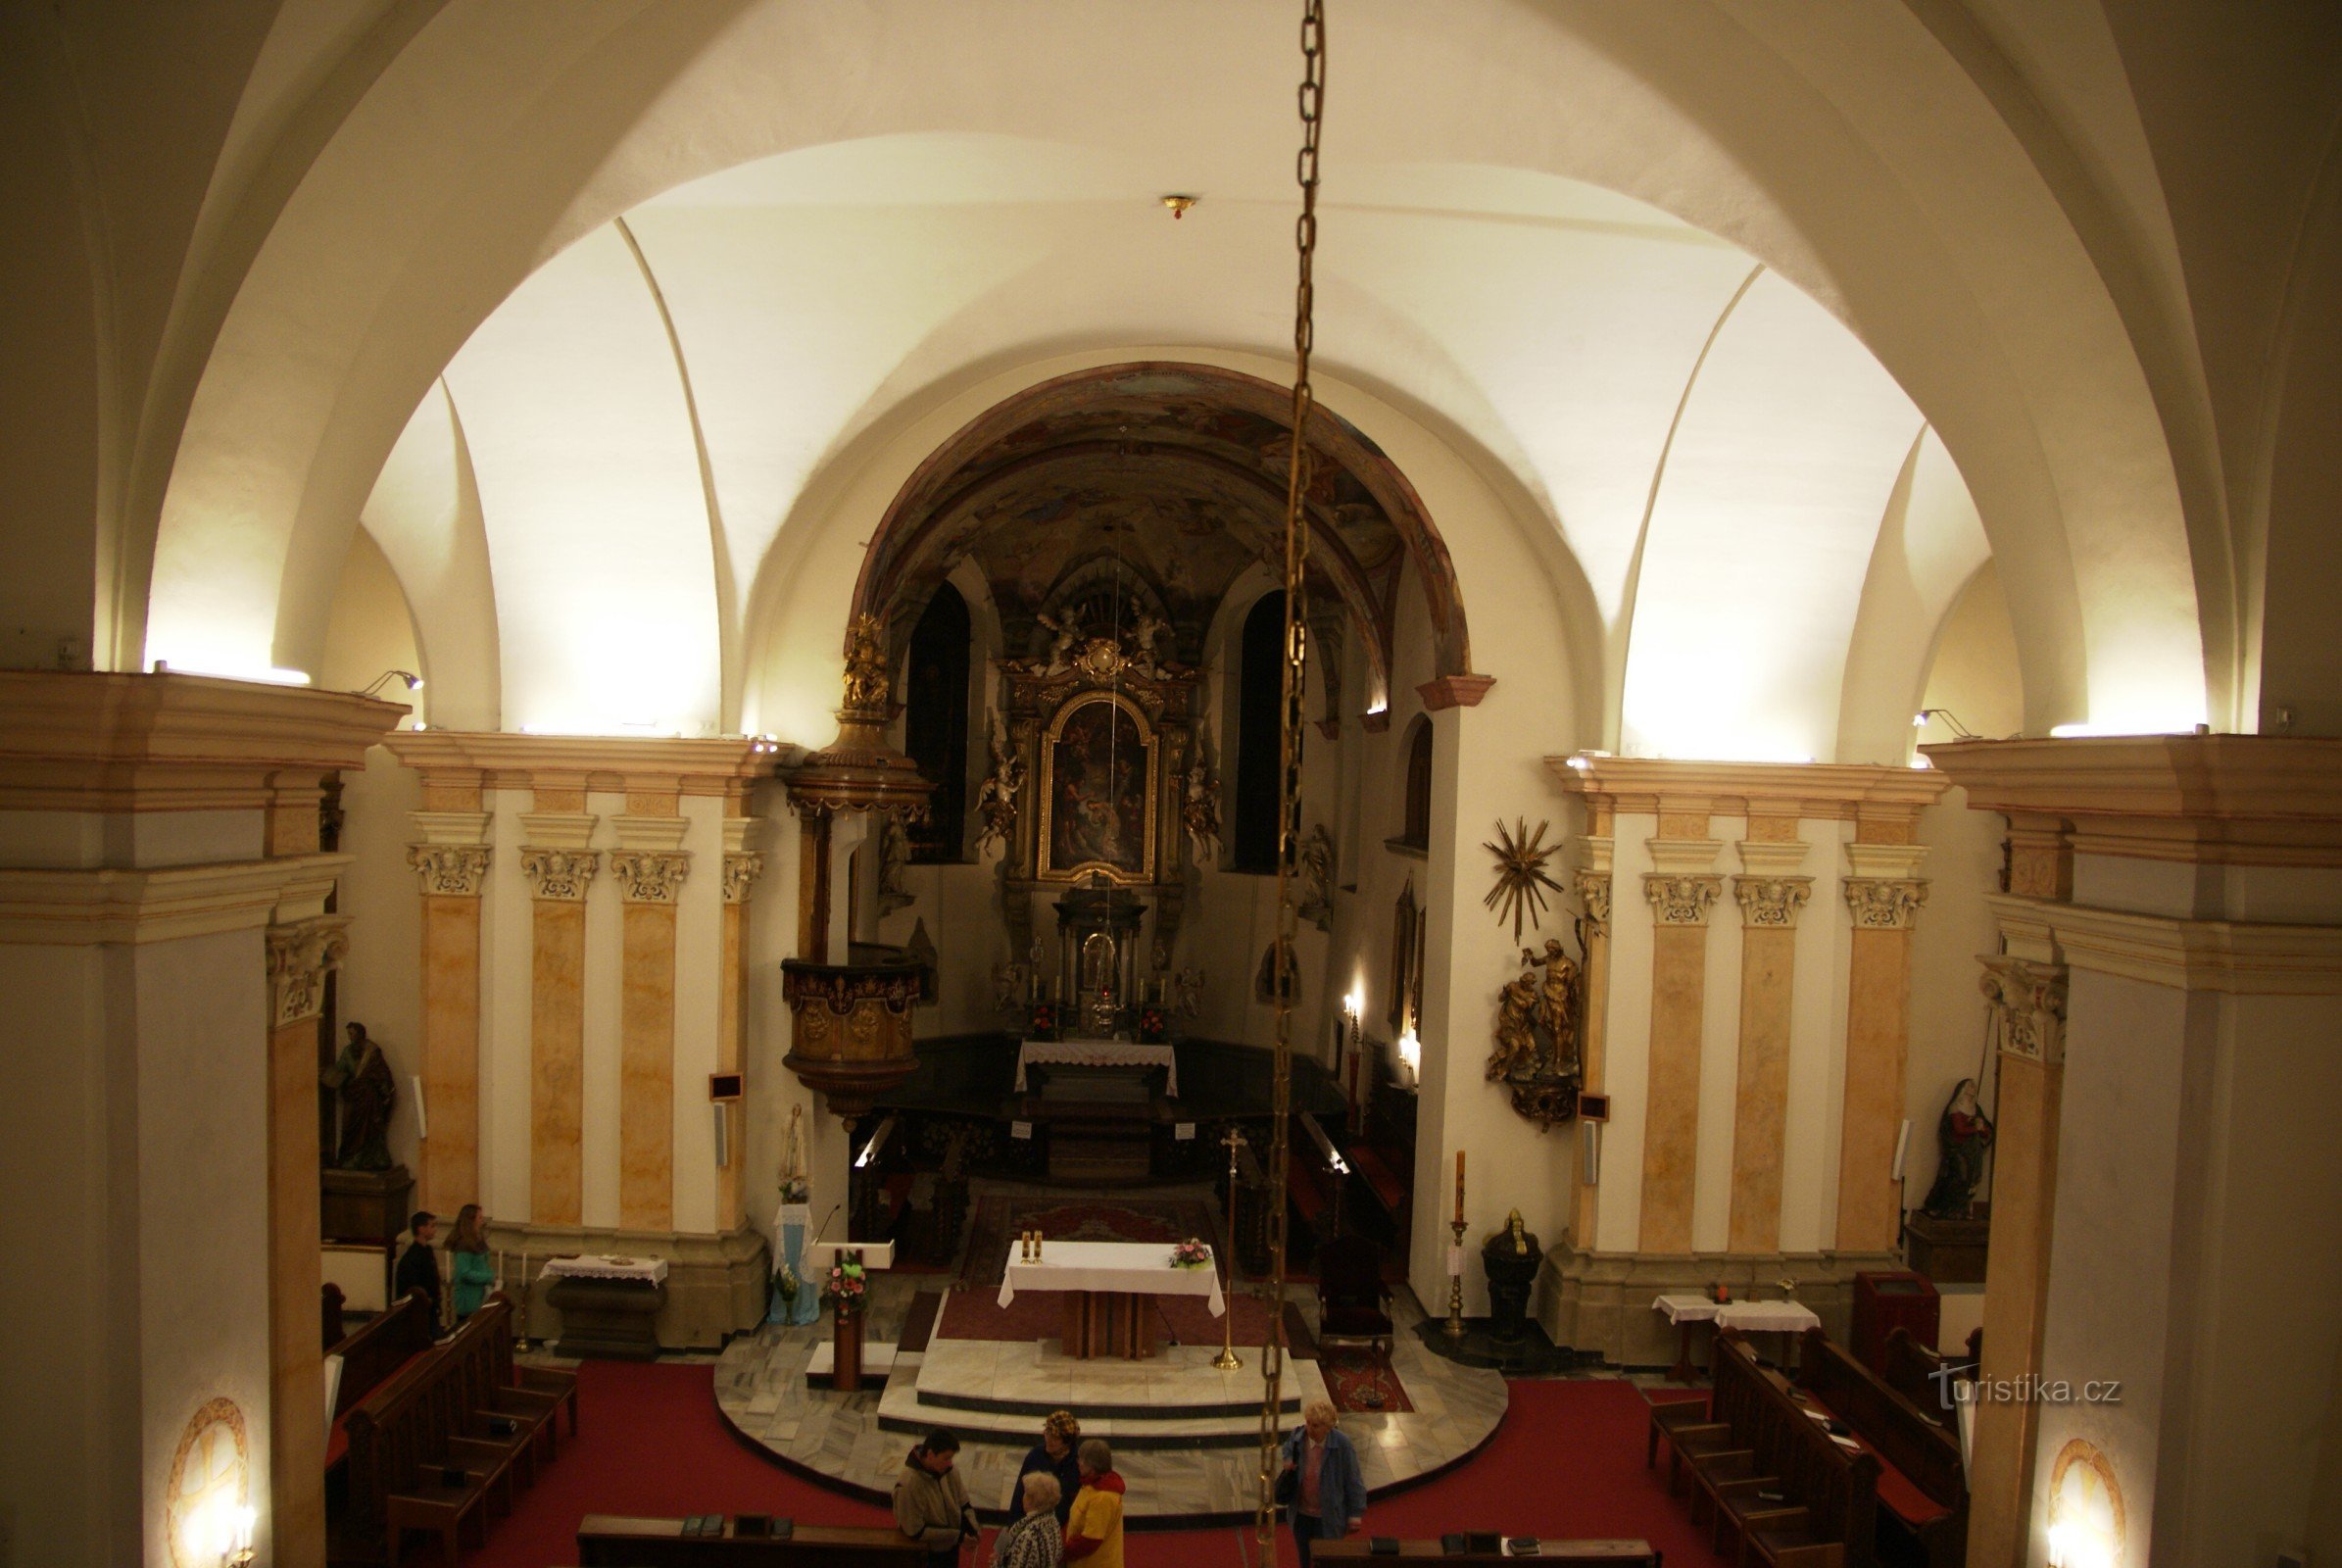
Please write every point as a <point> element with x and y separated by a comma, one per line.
<point>1094,1535</point>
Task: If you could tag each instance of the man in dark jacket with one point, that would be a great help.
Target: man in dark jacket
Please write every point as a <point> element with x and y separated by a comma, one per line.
<point>418,1265</point>
<point>931,1499</point>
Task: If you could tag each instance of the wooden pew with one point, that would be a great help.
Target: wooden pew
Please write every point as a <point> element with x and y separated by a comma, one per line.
<point>1796,1498</point>
<point>424,1452</point>
<point>378,1347</point>
<point>1608,1553</point>
<point>613,1540</point>
<point>1933,1509</point>
<point>1923,1374</point>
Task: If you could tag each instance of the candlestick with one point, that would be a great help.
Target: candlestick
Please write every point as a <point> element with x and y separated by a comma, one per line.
<point>1228,1360</point>
<point>1454,1326</point>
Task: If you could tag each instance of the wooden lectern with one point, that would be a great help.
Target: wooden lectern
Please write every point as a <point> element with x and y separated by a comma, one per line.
<point>848,1352</point>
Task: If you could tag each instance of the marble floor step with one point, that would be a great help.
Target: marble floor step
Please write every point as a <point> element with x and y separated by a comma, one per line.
<point>1006,1378</point>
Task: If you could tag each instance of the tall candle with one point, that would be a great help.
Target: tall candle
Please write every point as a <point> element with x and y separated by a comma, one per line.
<point>1459,1187</point>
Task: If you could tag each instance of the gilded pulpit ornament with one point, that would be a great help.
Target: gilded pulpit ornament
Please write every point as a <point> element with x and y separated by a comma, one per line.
<point>1521,879</point>
<point>1535,1056</point>
<point>867,683</point>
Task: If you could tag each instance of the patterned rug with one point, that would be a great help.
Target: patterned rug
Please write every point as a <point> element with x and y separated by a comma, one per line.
<point>1359,1381</point>
<point>999,1219</point>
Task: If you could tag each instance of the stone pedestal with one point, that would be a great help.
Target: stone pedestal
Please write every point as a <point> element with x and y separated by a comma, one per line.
<point>1949,1251</point>
<point>613,1319</point>
<point>365,1205</point>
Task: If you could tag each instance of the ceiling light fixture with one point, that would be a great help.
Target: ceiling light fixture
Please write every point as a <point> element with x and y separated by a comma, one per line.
<point>1178,205</point>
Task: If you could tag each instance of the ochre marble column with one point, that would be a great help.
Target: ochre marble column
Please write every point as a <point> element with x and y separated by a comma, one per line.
<point>1882,898</point>
<point>451,861</point>
<point>648,866</point>
<point>1680,890</point>
<point>741,867</point>
<point>1593,886</point>
<point>560,869</point>
<point>1770,894</point>
<point>2029,998</point>
<point>299,955</point>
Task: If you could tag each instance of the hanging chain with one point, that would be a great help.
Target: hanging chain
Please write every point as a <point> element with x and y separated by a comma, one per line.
<point>1312,96</point>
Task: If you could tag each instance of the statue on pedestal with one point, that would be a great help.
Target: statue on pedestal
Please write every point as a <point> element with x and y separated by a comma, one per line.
<point>365,1091</point>
<point>1965,1133</point>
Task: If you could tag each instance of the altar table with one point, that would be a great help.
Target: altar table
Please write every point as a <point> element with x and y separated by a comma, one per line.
<point>1098,1053</point>
<point>1786,1318</point>
<point>1109,1292</point>
<point>609,1305</point>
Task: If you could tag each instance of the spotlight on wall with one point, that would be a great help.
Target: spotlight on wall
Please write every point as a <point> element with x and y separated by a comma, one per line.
<point>1410,1051</point>
<point>408,677</point>
<point>1960,731</point>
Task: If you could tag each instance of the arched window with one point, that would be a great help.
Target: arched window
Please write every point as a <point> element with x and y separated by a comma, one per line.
<point>1260,700</point>
<point>1415,828</point>
<point>935,722</point>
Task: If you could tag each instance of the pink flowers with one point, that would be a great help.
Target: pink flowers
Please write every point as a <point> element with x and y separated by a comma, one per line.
<point>1190,1254</point>
<point>846,1286</point>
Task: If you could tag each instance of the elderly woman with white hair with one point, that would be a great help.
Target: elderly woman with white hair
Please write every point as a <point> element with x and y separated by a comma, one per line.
<point>1327,1489</point>
<point>1034,1541</point>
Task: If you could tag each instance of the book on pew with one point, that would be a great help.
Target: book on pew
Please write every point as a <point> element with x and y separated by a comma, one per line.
<point>1521,1546</point>
<point>763,1527</point>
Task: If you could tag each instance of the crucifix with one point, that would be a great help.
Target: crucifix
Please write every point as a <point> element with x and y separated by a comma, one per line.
<point>1228,1360</point>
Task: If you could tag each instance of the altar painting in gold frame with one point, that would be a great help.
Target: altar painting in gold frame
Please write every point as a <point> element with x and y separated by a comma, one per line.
<point>1098,767</point>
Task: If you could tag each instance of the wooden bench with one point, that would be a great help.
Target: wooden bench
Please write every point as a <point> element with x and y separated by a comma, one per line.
<point>381,1345</point>
<point>1775,1477</point>
<point>613,1540</point>
<point>1922,1492</point>
<point>1607,1553</point>
<point>1923,1374</point>
<point>426,1448</point>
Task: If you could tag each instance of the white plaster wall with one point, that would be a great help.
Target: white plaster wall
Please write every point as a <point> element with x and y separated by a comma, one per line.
<point>201,1234</point>
<point>605,996</point>
<point>2133,1053</point>
<point>507,946</point>
<point>1626,1049</point>
<point>1817,1074</point>
<point>1719,1055</point>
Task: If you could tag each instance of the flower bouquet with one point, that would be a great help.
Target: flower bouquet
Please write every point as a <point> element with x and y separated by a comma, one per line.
<point>1190,1253</point>
<point>845,1287</point>
<point>788,1284</point>
<point>796,1190</point>
<point>1154,1026</point>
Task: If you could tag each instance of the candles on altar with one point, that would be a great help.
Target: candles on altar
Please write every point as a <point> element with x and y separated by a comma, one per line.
<point>1410,1051</point>
<point>1459,1187</point>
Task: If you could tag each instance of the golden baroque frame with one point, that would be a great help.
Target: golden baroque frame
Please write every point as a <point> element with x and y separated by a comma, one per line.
<point>1046,867</point>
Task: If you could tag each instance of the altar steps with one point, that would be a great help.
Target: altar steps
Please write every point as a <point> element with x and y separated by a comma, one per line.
<point>998,1392</point>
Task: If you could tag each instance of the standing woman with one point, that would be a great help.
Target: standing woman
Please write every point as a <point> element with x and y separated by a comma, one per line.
<point>468,1259</point>
<point>1329,1491</point>
<point>1061,1435</point>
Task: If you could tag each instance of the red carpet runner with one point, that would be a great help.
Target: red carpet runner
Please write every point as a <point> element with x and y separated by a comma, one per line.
<point>1568,1461</point>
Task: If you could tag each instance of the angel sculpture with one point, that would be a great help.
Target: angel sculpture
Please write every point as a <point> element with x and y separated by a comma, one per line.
<point>1147,629</point>
<point>996,796</point>
<point>1062,637</point>
<point>1187,992</point>
<point>1200,813</point>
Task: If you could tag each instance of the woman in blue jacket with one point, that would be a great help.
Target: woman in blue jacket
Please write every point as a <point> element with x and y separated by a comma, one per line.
<point>1329,1491</point>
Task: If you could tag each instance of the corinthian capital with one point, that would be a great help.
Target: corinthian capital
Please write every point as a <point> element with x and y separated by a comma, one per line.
<point>2031,1000</point>
<point>1883,904</point>
<point>741,867</point>
<point>650,876</point>
<point>1772,902</point>
<point>1593,890</point>
<point>450,870</point>
<point>299,957</point>
<point>560,874</point>
<point>1681,900</point>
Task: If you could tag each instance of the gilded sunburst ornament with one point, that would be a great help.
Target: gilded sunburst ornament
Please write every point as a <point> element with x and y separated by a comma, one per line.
<point>1521,878</point>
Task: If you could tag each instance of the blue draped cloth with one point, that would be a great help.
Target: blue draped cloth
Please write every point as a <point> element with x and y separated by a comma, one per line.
<point>795,1227</point>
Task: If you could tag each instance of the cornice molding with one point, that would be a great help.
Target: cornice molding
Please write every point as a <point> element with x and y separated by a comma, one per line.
<point>83,741</point>
<point>2230,957</point>
<point>76,907</point>
<point>656,833</point>
<point>1812,791</point>
<point>1454,691</point>
<point>2229,800</point>
<point>619,764</point>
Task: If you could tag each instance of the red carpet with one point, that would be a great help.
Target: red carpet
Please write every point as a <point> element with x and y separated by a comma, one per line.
<point>1568,1461</point>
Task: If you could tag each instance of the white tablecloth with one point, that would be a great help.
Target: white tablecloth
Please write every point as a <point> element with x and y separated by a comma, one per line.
<point>1766,1317</point>
<point>1686,1308</point>
<point>1098,1053</point>
<point>1141,1268</point>
<point>650,1270</point>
